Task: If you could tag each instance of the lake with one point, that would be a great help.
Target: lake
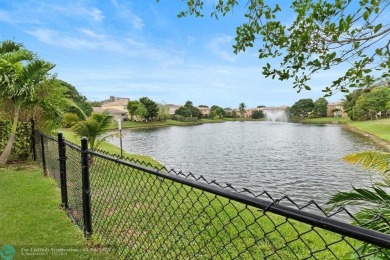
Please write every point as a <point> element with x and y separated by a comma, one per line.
<point>299,160</point>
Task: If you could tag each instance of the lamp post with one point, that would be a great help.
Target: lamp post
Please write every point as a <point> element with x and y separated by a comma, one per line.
<point>120,134</point>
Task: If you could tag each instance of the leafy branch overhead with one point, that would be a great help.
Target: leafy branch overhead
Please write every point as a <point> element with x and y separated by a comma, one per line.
<point>322,35</point>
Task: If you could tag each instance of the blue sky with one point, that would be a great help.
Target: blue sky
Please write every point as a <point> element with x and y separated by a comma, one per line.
<point>140,48</point>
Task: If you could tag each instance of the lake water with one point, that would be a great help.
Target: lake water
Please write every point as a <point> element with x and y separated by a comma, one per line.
<point>299,160</point>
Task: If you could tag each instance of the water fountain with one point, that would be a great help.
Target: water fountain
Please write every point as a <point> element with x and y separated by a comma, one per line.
<point>276,115</point>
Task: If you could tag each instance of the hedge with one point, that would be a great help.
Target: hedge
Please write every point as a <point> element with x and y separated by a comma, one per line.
<point>21,148</point>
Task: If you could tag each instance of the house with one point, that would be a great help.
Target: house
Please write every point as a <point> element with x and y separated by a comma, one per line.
<point>119,103</point>
<point>205,111</point>
<point>117,113</point>
<point>336,109</point>
<point>172,108</point>
<point>116,106</point>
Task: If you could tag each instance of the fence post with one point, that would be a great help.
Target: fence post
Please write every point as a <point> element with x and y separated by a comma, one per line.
<point>86,188</point>
<point>62,161</point>
<point>34,150</point>
<point>43,155</point>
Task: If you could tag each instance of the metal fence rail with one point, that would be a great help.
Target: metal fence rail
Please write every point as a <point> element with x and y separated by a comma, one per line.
<point>145,211</point>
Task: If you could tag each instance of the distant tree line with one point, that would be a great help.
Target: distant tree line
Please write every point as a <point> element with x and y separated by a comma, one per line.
<point>306,107</point>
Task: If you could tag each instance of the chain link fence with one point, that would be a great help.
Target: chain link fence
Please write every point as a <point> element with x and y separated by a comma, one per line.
<point>145,211</point>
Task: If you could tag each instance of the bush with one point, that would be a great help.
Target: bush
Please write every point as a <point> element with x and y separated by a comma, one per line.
<point>184,119</point>
<point>21,148</point>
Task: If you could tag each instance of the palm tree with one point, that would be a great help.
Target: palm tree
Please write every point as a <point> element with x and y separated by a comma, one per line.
<point>93,127</point>
<point>20,73</point>
<point>241,109</point>
<point>376,201</point>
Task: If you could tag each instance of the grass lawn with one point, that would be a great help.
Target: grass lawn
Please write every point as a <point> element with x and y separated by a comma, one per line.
<point>132,124</point>
<point>31,217</point>
<point>327,120</point>
<point>379,128</point>
<point>148,216</point>
<point>169,122</point>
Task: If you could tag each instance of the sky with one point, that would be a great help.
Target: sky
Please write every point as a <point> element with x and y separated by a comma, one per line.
<point>135,48</point>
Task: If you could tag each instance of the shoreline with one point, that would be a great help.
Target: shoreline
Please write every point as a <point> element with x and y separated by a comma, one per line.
<point>377,140</point>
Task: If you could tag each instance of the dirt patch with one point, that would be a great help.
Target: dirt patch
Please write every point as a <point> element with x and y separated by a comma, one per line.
<point>379,141</point>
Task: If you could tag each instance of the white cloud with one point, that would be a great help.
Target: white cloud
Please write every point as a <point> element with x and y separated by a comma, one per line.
<point>76,9</point>
<point>14,18</point>
<point>221,47</point>
<point>125,12</point>
<point>86,39</point>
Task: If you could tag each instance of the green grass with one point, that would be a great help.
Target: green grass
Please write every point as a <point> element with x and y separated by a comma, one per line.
<point>31,216</point>
<point>132,124</point>
<point>161,218</point>
<point>327,120</point>
<point>379,128</point>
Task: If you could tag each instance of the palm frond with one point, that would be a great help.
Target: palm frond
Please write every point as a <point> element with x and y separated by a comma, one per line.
<point>377,196</point>
<point>104,121</point>
<point>95,125</point>
<point>71,103</point>
<point>377,219</point>
<point>10,46</point>
<point>18,56</point>
<point>373,160</point>
<point>35,71</point>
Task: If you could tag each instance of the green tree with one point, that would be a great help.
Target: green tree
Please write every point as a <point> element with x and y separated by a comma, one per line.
<point>368,105</point>
<point>183,111</point>
<point>95,103</point>
<point>47,108</point>
<point>20,73</point>
<point>137,110</point>
<point>257,114</point>
<point>217,112</point>
<point>93,127</point>
<point>322,34</point>
<point>195,112</point>
<point>350,101</point>
<point>151,108</point>
<point>320,107</point>
<point>302,107</point>
<point>79,100</point>
<point>241,109</point>
<point>163,112</point>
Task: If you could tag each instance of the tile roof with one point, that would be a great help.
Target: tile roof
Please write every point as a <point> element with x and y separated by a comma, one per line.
<point>119,102</point>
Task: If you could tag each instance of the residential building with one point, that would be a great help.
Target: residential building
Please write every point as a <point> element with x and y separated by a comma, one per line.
<point>172,108</point>
<point>336,109</point>
<point>116,106</point>
<point>205,111</point>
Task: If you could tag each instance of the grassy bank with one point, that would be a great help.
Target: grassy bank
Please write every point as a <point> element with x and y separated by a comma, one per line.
<point>32,219</point>
<point>327,120</point>
<point>379,128</point>
<point>132,124</point>
<point>111,149</point>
